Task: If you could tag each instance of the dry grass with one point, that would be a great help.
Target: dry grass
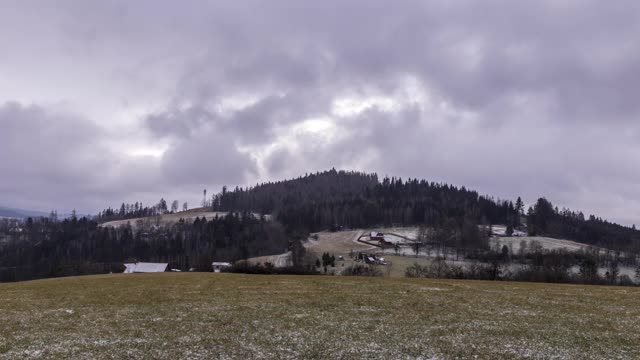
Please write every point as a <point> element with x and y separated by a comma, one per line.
<point>281,260</point>
<point>167,219</point>
<point>205,316</point>
<point>399,264</point>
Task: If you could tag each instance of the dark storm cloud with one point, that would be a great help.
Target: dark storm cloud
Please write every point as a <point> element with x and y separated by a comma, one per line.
<point>516,97</point>
<point>252,124</point>
<point>202,148</point>
<point>179,123</point>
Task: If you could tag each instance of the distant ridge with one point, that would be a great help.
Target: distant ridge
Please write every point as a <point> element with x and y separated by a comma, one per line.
<point>20,213</point>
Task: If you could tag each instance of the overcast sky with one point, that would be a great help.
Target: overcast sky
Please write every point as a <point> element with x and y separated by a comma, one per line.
<point>109,101</point>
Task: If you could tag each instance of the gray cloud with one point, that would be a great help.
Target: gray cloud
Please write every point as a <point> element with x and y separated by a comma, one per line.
<point>512,98</point>
<point>46,156</point>
<point>52,159</point>
<point>212,157</point>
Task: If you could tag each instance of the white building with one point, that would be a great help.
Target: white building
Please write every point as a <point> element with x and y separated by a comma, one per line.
<point>218,266</point>
<point>143,267</point>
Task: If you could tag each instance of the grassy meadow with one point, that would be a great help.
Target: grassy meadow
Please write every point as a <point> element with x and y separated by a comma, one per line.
<point>227,316</point>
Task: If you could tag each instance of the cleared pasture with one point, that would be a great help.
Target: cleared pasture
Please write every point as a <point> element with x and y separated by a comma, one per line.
<point>229,316</point>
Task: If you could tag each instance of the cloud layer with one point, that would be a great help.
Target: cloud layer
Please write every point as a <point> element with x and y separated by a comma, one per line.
<point>119,101</point>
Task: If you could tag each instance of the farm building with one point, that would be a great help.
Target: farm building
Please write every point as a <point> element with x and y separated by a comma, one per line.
<point>370,259</point>
<point>501,230</point>
<point>376,236</point>
<point>16,230</point>
<point>143,267</point>
<point>219,266</point>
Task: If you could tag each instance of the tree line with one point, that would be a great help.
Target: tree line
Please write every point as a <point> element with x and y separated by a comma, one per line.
<point>546,220</point>
<point>138,210</point>
<point>77,246</point>
<point>585,266</point>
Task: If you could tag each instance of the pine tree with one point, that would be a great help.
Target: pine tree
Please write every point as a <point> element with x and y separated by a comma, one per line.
<point>519,206</point>
<point>589,270</point>
<point>162,206</point>
<point>613,272</point>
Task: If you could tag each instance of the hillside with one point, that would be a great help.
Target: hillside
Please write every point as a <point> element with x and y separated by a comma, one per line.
<point>44,248</point>
<point>203,316</point>
<point>454,222</point>
<point>335,199</point>
<point>169,219</point>
<point>162,220</point>
<point>524,252</point>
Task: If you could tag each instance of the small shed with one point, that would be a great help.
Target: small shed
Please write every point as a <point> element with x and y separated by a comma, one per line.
<point>219,266</point>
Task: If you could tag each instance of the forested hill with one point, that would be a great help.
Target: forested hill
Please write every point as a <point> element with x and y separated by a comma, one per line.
<point>545,219</point>
<point>354,199</point>
<point>316,188</point>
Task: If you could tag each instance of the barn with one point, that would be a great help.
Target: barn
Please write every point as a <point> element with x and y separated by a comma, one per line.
<point>376,236</point>
<point>144,267</point>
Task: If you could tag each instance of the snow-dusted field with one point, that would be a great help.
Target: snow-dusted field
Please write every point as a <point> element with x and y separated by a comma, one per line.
<point>514,242</point>
<point>501,230</point>
<point>231,316</point>
<point>545,242</point>
<point>391,232</point>
<point>339,242</point>
<point>395,239</point>
<point>409,232</point>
